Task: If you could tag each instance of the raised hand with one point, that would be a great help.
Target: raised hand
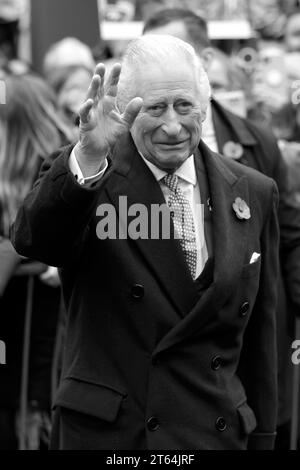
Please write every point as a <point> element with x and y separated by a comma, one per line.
<point>101,123</point>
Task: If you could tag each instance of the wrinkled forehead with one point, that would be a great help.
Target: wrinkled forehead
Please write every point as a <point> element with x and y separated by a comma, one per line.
<point>172,72</point>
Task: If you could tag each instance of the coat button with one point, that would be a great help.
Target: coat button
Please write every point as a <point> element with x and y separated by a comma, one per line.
<point>221,424</point>
<point>216,363</point>
<point>244,309</point>
<point>153,424</point>
<point>137,291</point>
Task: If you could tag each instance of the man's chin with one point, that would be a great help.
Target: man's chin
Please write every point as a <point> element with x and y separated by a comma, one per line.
<point>170,164</point>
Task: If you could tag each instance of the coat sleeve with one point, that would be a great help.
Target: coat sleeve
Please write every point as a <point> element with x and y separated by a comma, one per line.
<point>258,362</point>
<point>53,220</point>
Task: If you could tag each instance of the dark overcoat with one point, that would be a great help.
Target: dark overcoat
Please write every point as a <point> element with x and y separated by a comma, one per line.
<point>154,360</point>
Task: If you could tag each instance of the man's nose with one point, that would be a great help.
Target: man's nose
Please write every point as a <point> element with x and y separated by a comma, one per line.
<point>171,125</point>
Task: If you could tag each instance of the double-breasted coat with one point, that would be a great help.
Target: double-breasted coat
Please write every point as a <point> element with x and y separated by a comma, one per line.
<point>153,359</point>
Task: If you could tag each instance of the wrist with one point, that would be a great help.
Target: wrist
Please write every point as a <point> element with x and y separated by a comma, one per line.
<point>90,164</point>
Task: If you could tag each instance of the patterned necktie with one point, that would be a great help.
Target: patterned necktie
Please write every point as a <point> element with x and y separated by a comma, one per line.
<point>183,222</point>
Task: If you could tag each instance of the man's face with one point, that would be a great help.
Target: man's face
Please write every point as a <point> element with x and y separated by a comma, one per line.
<point>292,37</point>
<point>168,128</point>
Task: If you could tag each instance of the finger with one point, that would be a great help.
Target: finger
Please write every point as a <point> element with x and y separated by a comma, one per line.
<point>132,110</point>
<point>100,69</point>
<point>100,72</point>
<point>84,111</point>
<point>111,87</point>
<point>94,87</point>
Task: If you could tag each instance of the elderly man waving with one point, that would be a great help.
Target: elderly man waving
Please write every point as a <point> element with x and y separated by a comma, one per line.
<point>170,340</point>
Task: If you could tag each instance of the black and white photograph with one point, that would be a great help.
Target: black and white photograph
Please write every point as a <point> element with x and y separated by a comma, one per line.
<point>149,228</point>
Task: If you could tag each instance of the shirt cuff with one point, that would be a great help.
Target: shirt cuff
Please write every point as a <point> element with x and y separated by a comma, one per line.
<point>75,169</point>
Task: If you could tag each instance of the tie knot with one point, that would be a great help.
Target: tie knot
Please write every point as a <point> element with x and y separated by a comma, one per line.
<point>171,180</point>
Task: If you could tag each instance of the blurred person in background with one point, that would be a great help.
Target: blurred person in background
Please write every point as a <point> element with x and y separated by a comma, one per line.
<point>277,71</point>
<point>70,86</point>
<point>223,75</point>
<point>231,86</point>
<point>30,128</point>
<point>254,146</point>
<point>286,121</point>
<point>276,95</point>
<point>270,86</point>
<point>68,68</point>
<point>212,10</point>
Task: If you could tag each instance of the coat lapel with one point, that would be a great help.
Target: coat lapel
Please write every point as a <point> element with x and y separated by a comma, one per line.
<point>133,179</point>
<point>229,244</point>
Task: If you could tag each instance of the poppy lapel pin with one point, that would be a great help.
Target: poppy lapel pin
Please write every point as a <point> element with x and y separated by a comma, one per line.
<point>233,150</point>
<point>241,209</point>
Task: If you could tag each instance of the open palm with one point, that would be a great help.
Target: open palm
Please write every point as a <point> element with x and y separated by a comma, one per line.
<point>101,123</point>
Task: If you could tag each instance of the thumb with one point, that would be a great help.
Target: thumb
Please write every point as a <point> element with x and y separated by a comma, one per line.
<point>132,110</point>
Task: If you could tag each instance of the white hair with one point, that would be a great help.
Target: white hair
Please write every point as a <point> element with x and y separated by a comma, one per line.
<point>155,50</point>
<point>65,53</point>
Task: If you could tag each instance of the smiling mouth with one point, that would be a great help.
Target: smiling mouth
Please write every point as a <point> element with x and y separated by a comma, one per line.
<point>172,144</point>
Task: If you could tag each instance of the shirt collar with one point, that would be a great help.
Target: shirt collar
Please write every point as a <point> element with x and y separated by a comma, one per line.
<point>186,171</point>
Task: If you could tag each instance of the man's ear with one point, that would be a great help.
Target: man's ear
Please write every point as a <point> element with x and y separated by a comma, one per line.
<point>207,55</point>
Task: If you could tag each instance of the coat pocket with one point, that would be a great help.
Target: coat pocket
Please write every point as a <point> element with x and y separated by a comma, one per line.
<point>251,269</point>
<point>247,418</point>
<point>92,399</point>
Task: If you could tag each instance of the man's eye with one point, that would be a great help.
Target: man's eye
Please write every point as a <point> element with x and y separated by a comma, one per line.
<point>156,109</point>
<point>184,106</point>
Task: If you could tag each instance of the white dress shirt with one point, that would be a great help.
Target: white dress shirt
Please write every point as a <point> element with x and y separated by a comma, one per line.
<point>188,183</point>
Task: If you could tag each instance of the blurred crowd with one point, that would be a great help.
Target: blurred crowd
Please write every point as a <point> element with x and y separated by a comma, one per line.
<point>257,79</point>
